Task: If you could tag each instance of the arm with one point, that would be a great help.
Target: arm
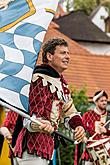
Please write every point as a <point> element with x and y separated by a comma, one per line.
<point>45,126</point>
<point>74,116</point>
<point>34,127</point>
<point>88,122</point>
<point>10,120</point>
<point>103,130</point>
<point>8,125</point>
<point>37,98</point>
<point>6,133</point>
<point>76,123</point>
<point>75,120</point>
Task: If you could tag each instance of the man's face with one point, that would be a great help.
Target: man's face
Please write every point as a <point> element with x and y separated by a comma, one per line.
<point>102,103</point>
<point>60,59</point>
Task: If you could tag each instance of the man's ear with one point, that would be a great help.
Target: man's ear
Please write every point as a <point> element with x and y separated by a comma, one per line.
<point>49,56</point>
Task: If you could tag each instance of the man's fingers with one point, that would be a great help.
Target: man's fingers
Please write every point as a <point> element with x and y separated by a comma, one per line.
<point>45,126</point>
<point>49,129</point>
<point>79,134</point>
<point>5,132</point>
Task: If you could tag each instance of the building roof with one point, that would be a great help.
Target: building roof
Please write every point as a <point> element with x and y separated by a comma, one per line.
<point>91,71</point>
<point>95,11</point>
<point>85,69</point>
<point>78,26</point>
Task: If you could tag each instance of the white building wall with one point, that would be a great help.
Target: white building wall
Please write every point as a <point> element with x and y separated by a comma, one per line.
<point>108,34</point>
<point>98,19</point>
<point>97,48</point>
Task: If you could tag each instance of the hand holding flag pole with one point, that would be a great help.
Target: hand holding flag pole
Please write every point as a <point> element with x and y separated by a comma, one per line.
<point>54,132</point>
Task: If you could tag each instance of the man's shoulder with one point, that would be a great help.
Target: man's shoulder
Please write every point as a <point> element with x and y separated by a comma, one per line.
<point>89,112</point>
<point>46,69</point>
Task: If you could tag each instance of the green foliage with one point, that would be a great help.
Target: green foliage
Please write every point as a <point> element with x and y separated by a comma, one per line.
<point>80,99</point>
<point>67,154</point>
<point>106,3</point>
<point>68,6</point>
<point>81,102</point>
<point>86,5</point>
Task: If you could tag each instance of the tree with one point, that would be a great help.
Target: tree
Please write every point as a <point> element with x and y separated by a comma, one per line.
<point>68,4</point>
<point>80,99</point>
<point>86,5</point>
<point>98,2</point>
<point>106,3</point>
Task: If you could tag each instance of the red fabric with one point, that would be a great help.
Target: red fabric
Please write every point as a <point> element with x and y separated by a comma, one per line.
<point>85,155</point>
<point>76,155</point>
<point>41,100</point>
<point>10,120</point>
<point>19,145</point>
<point>89,119</point>
<point>41,104</point>
<point>75,121</point>
<point>108,132</point>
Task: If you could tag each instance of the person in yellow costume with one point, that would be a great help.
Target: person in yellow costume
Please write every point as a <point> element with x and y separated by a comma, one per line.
<point>4,159</point>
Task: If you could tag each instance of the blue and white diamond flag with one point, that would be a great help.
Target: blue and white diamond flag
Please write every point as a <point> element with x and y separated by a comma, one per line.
<point>23,24</point>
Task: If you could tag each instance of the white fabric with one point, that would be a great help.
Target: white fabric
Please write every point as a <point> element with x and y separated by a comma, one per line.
<point>88,163</point>
<point>98,96</point>
<point>27,123</point>
<point>29,159</point>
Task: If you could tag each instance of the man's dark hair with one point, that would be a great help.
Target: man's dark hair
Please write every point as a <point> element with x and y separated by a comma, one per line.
<point>50,46</point>
<point>104,94</point>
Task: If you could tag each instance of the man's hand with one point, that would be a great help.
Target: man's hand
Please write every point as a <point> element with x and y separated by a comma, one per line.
<point>6,133</point>
<point>103,129</point>
<point>79,134</point>
<point>99,127</point>
<point>45,126</point>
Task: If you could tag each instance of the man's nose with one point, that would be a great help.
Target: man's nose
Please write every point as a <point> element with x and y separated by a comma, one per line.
<point>105,103</point>
<point>67,55</point>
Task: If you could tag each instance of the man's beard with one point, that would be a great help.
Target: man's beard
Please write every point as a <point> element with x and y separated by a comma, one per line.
<point>102,108</point>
